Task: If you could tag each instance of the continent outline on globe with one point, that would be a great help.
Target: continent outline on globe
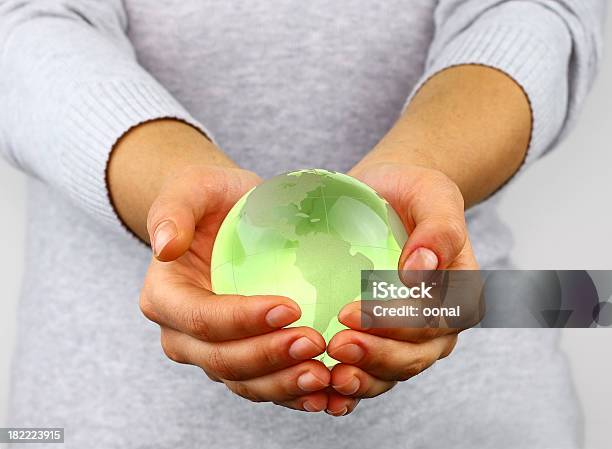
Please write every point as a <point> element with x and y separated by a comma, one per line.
<point>307,235</point>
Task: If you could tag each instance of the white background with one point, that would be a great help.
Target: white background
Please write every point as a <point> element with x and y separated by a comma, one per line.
<point>560,212</point>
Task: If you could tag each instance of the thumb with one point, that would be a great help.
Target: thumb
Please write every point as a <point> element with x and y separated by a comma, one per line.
<point>439,235</point>
<point>434,244</point>
<point>171,225</point>
<point>188,198</point>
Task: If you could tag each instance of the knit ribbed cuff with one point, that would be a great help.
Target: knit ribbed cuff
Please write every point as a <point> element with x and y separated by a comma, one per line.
<point>525,55</point>
<point>92,126</point>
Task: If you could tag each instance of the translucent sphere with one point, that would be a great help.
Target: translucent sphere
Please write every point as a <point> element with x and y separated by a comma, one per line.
<point>307,235</point>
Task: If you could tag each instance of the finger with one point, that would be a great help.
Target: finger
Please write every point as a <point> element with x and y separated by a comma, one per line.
<point>313,403</point>
<point>338,405</point>
<point>386,358</point>
<point>284,385</point>
<point>353,317</point>
<point>349,380</point>
<point>433,207</point>
<point>209,317</point>
<point>247,358</point>
<point>186,199</point>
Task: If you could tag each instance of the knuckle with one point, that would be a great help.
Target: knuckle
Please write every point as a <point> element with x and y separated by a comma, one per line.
<point>417,365</point>
<point>211,376</point>
<point>170,349</point>
<point>198,323</point>
<point>244,390</point>
<point>240,318</point>
<point>219,366</point>
<point>271,354</point>
<point>146,306</point>
<point>381,359</point>
<point>456,231</point>
<point>454,236</point>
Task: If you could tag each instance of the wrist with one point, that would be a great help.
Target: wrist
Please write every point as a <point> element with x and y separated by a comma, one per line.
<point>471,123</point>
<point>146,157</point>
<point>396,153</point>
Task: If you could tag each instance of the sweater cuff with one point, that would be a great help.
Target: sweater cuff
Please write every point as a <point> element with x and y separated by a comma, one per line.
<point>523,54</point>
<point>94,123</point>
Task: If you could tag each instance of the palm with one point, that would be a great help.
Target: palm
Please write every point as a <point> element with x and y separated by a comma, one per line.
<point>193,267</point>
<point>411,191</point>
<point>396,184</point>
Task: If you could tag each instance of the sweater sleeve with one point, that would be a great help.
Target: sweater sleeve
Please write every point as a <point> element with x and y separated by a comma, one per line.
<point>70,87</point>
<point>551,48</point>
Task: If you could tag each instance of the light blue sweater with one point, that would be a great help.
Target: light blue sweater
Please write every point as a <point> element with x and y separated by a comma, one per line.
<point>280,85</point>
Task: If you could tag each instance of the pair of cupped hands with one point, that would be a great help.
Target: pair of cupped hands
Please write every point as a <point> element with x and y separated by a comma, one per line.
<point>243,342</point>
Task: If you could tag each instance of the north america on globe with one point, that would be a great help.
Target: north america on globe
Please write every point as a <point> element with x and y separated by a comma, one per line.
<point>307,235</point>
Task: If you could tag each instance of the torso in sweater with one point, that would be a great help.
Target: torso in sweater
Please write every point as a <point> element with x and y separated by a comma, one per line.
<point>282,85</point>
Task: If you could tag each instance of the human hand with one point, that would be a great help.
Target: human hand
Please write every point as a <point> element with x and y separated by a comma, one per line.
<point>372,361</point>
<point>235,339</point>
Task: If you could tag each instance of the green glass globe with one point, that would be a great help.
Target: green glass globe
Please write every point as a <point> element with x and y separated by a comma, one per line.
<point>307,235</point>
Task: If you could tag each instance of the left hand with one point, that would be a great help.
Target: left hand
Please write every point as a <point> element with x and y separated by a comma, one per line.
<point>372,361</point>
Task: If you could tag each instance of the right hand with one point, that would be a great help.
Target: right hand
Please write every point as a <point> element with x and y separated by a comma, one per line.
<point>237,340</point>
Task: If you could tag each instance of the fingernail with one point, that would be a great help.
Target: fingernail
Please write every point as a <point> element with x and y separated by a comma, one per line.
<point>357,319</point>
<point>349,353</point>
<point>281,316</point>
<point>303,348</point>
<point>349,387</point>
<point>421,259</point>
<point>164,233</point>
<point>338,413</point>
<point>310,382</point>
<point>309,407</point>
